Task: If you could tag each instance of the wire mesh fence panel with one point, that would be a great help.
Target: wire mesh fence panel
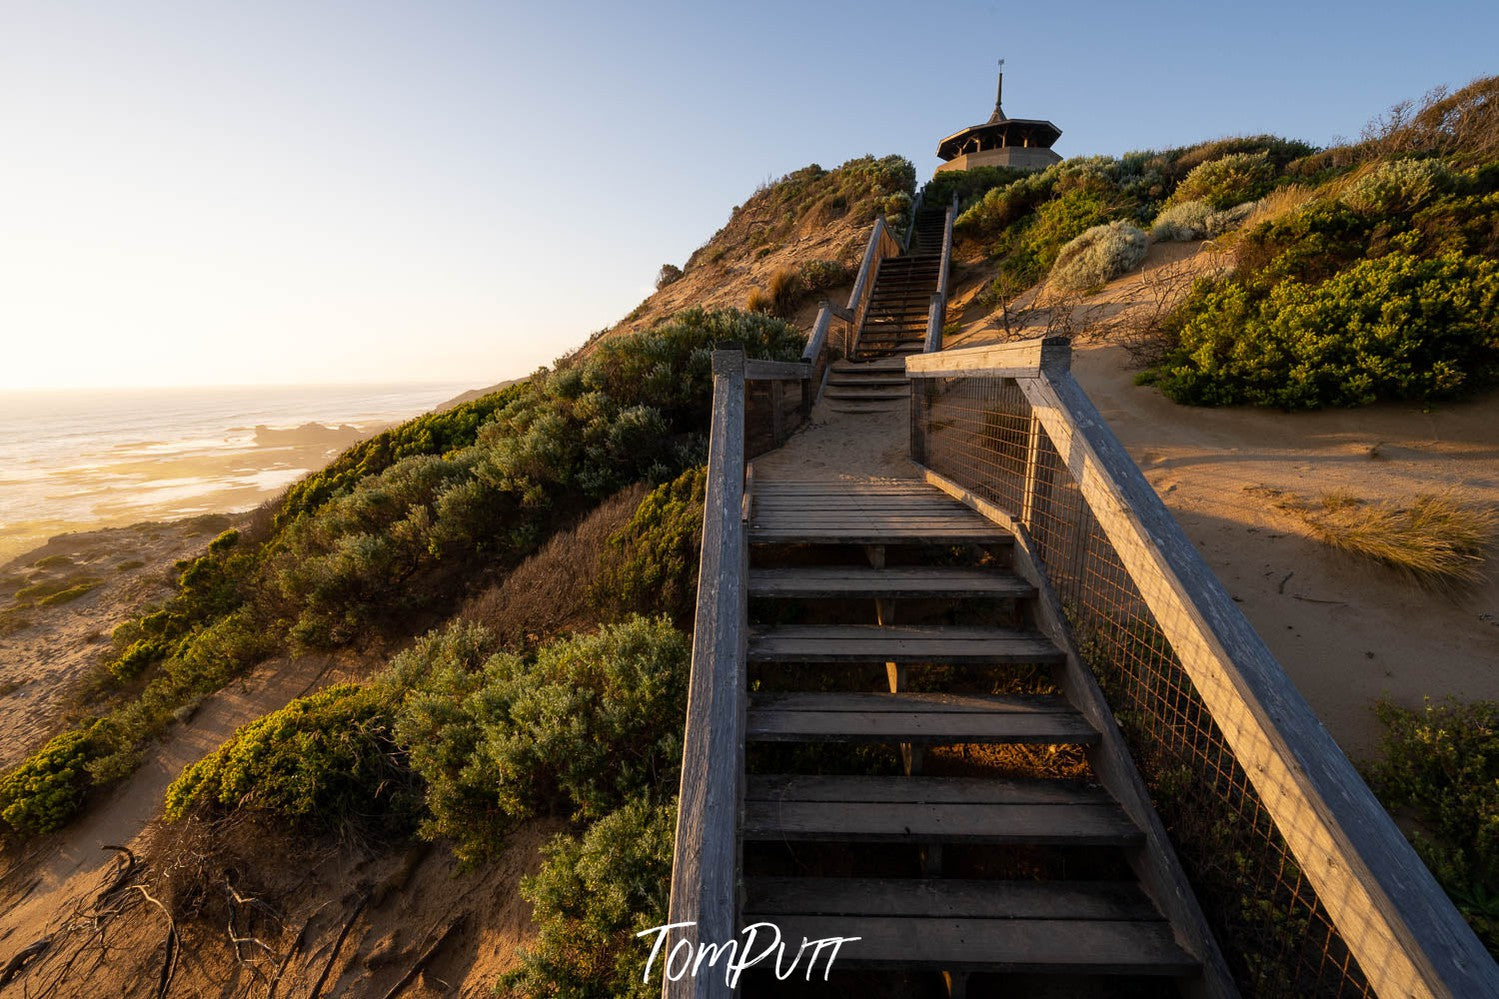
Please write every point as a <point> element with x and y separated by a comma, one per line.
<point>980,433</point>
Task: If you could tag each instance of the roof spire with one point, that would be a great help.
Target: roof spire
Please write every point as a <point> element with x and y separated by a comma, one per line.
<point>999,92</point>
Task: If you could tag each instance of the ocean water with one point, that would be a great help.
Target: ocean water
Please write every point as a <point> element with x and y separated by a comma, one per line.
<point>83,459</point>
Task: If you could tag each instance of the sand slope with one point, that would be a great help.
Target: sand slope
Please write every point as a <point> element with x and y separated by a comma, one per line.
<point>1348,631</point>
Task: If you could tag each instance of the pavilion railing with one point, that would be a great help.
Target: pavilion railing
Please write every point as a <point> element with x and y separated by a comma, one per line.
<point>1308,885</point>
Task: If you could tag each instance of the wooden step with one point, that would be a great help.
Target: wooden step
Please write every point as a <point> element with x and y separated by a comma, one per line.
<point>850,392</point>
<point>868,378</point>
<point>1067,927</point>
<point>960,898</point>
<point>864,512</point>
<point>1089,818</point>
<point>868,366</point>
<point>950,645</point>
<point>817,581</point>
<point>924,719</point>
<point>844,406</point>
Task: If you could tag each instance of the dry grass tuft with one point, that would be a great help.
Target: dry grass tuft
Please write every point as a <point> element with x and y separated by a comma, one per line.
<point>549,593</point>
<point>1435,539</point>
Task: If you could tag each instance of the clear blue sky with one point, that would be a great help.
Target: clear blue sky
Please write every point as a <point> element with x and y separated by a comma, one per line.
<point>309,192</point>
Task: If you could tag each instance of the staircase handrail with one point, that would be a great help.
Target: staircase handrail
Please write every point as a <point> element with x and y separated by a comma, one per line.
<point>936,316</point>
<point>1252,769</point>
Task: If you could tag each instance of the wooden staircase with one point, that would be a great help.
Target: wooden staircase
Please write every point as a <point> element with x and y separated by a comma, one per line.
<point>952,864</point>
<point>894,322</point>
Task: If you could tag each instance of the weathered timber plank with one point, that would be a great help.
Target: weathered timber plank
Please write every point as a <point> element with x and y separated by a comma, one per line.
<point>855,581</point>
<point>796,643</point>
<point>949,897</point>
<point>929,728</point>
<point>1021,359</point>
<point>959,822</point>
<point>804,700</point>
<point>926,790</point>
<point>835,536</point>
<point>705,866</point>
<point>1052,946</point>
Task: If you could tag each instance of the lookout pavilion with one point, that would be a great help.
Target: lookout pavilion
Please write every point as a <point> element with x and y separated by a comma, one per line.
<point>1001,141</point>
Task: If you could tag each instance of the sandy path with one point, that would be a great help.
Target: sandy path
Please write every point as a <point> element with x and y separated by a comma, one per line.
<point>72,863</point>
<point>844,445</point>
<point>1346,630</point>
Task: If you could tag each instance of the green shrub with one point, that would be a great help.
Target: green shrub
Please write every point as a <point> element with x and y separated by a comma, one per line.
<point>47,788</point>
<point>322,762</point>
<point>55,591</point>
<point>1397,186</point>
<point>1228,180</point>
<point>1099,255</point>
<point>650,566</point>
<point>1230,219</point>
<point>1186,220</point>
<point>814,276</point>
<point>590,898</point>
<point>1395,327</point>
<point>73,592</point>
<point>580,727</point>
<point>634,409</point>
<point>669,274</point>
<point>969,185</point>
<point>1442,764</point>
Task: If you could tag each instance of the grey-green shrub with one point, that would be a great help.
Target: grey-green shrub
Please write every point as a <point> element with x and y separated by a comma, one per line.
<point>1181,222</point>
<point>1228,180</point>
<point>1218,223</point>
<point>1099,255</point>
<point>580,727</point>
<point>591,896</point>
<point>1397,186</point>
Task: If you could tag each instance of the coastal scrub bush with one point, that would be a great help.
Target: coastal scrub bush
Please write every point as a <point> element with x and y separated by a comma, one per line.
<point>1183,221</point>
<point>1226,221</point>
<point>1099,255</point>
<point>669,274</point>
<point>1442,764</point>
<point>1396,186</point>
<point>633,409</point>
<point>969,185</point>
<point>323,762</point>
<point>45,790</point>
<point>581,726</point>
<point>650,565</point>
<point>1393,327</point>
<point>1228,180</point>
<point>591,896</point>
<point>817,276</point>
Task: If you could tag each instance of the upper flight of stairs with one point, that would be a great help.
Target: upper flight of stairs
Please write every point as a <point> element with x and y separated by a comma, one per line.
<point>894,325</point>
<point>895,319</point>
<point>969,878</point>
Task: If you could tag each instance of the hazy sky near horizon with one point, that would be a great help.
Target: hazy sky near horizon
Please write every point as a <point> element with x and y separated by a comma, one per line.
<point>215,193</point>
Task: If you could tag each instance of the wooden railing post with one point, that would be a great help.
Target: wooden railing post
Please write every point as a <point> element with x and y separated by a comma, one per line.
<point>705,863</point>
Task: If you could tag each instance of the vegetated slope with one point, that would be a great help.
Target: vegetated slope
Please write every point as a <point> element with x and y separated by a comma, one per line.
<point>810,227</point>
<point>1360,281</point>
<point>388,540</point>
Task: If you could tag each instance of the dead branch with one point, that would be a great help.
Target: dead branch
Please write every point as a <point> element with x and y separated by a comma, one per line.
<point>22,958</point>
<point>317,989</point>
<point>426,957</point>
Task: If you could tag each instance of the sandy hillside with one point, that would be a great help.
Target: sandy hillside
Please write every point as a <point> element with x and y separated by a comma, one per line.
<point>46,652</point>
<point>1347,631</point>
